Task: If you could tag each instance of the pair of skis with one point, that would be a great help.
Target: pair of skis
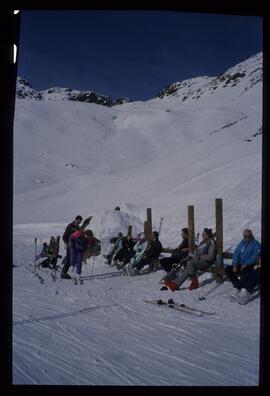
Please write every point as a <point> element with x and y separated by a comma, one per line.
<point>175,269</point>
<point>180,307</point>
<point>35,272</point>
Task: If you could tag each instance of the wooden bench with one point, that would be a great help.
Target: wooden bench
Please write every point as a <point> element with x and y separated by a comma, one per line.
<point>213,269</point>
<point>225,255</point>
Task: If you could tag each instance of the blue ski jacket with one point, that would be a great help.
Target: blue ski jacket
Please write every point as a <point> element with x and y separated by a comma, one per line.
<point>246,252</point>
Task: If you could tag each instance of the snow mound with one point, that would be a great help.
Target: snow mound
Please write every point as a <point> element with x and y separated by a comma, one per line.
<point>107,223</point>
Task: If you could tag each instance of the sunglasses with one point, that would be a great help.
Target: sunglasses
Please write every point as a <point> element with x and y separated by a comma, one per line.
<point>247,236</point>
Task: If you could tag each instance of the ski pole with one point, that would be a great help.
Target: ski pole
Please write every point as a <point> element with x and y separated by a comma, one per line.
<point>196,239</point>
<point>160,224</point>
<point>212,289</point>
<point>92,269</point>
<point>35,260</point>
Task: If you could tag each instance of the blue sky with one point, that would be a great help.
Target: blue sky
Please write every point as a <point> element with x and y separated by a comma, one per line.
<point>131,54</point>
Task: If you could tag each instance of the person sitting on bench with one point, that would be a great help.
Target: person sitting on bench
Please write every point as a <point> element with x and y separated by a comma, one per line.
<point>203,258</point>
<point>244,259</point>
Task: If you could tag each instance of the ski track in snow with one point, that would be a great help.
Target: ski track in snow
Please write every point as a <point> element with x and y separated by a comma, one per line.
<point>114,338</point>
<point>73,158</point>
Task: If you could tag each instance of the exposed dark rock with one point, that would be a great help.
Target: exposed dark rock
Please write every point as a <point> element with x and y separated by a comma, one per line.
<point>91,97</point>
<point>237,75</point>
<point>24,90</point>
<point>169,90</point>
<point>120,101</point>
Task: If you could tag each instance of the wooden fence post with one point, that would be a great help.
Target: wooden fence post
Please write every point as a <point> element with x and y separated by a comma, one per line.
<point>149,222</point>
<point>145,229</point>
<point>191,232</point>
<point>129,230</point>
<point>219,234</point>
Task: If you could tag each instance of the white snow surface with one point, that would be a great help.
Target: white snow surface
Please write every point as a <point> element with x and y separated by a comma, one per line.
<point>75,158</point>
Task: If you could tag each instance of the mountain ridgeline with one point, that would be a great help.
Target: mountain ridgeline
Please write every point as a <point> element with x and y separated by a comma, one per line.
<point>199,139</point>
<point>248,72</point>
<point>24,90</point>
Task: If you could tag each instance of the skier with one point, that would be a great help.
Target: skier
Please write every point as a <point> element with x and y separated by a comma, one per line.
<point>78,244</point>
<point>249,280</point>
<point>152,252</point>
<point>70,229</point>
<point>178,254</point>
<point>139,249</point>
<point>244,259</point>
<point>114,249</point>
<point>126,253</point>
<point>204,256</point>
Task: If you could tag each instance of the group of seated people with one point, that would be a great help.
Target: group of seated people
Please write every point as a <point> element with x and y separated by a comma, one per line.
<point>136,253</point>
<point>244,273</point>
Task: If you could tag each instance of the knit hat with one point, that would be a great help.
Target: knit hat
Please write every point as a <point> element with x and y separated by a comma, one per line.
<point>208,231</point>
<point>89,233</point>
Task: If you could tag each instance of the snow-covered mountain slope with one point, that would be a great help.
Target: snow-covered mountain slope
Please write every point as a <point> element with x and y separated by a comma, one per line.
<point>77,96</point>
<point>163,153</point>
<point>243,76</point>
<point>24,90</point>
<point>73,157</point>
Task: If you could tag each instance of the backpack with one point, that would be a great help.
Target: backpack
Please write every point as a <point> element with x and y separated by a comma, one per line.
<point>93,250</point>
<point>96,248</point>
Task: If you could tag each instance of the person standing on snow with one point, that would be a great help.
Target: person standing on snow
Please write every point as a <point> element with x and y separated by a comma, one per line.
<point>70,229</point>
<point>78,243</point>
<point>244,259</point>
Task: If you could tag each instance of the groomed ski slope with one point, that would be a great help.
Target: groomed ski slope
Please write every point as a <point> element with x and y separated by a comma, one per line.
<point>75,158</point>
<point>102,333</point>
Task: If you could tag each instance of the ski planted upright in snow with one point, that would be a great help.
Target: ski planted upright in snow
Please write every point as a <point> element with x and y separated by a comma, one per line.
<point>85,223</point>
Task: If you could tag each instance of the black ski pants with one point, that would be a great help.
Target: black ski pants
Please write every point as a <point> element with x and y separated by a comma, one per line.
<point>167,262</point>
<point>145,261</point>
<point>67,262</point>
<point>249,278</point>
<point>124,255</point>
